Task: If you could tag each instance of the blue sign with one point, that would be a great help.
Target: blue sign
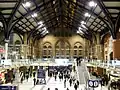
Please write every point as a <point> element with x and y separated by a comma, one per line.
<point>8,87</point>
<point>41,73</point>
<point>93,83</point>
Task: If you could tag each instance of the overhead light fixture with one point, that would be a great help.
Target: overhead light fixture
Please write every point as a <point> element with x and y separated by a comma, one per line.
<point>83,26</point>
<point>78,32</point>
<point>27,4</point>
<point>47,32</point>
<point>92,4</point>
<point>34,15</point>
<point>83,22</point>
<point>80,28</point>
<point>87,15</point>
<point>53,2</point>
<point>1,24</point>
<point>45,28</point>
<point>40,22</point>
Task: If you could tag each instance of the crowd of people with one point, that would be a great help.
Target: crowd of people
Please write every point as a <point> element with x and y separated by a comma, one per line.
<point>65,76</point>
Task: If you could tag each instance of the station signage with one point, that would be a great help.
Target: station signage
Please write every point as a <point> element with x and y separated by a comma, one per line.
<point>8,87</point>
<point>93,83</point>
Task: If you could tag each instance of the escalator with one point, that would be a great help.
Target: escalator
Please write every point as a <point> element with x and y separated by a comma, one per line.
<point>82,74</point>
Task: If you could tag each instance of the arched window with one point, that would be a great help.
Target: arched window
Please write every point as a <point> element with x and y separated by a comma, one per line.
<point>80,46</point>
<point>78,50</point>
<point>62,49</point>
<point>44,47</point>
<point>47,50</point>
<point>75,47</point>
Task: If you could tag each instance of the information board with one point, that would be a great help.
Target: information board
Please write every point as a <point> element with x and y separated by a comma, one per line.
<point>93,83</point>
<point>8,87</point>
<point>41,73</point>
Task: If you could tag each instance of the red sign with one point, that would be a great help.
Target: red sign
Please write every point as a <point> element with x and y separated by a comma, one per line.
<point>2,50</point>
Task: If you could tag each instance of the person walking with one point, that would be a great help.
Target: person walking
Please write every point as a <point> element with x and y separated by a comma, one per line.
<point>77,83</point>
<point>22,79</point>
<point>65,83</point>
<point>75,86</point>
<point>70,81</point>
<point>55,77</point>
<point>67,89</point>
<point>34,80</point>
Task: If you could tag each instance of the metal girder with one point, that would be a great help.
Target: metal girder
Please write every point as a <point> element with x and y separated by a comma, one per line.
<point>29,13</point>
<point>94,14</point>
<point>35,29</point>
<point>102,37</point>
<point>4,8</point>
<point>14,11</point>
<point>10,1</point>
<point>47,10</point>
<point>3,21</point>
<point>102,19</point>
<point>27,21</point>
<point>113,8</point>
<point>95,18</point>
<point>10,25</point>
<point>17,32</point>
<point>86,35</point>
<point>109,17</point>
<point>117,23</point>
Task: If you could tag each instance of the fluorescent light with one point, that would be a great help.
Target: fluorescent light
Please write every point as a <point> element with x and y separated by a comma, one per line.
<point>83,22</point>
<point>92,4</point>
<point>78,32</point>
<point>83,26</point>
<point>80,28</point>
<point>40,22</point>
<point>87,15</point>
<point>1,24</point>
<point>34,15</point>
<point>47,32</point>
<point>53,2</point>
<point>27,4</point>
<point>44,28</point>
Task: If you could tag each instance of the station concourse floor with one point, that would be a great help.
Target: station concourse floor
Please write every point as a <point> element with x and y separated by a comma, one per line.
<point>52,84</point>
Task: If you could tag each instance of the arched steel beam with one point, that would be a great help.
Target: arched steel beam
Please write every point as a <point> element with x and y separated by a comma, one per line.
<point>109,17</point>
<point>102,37</point>
<point>10,24</point>
<point>19,36</point>
<point>4,23</point>
<point>36,28</point>
<point>117,23</point>
<point>85,34</point>
<point>96,15</point>
<point>29,13</point>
